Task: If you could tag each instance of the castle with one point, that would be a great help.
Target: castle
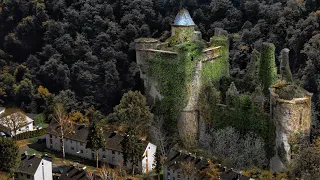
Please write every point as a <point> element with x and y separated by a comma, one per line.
<point>158,59</point>
<point>183,31</point>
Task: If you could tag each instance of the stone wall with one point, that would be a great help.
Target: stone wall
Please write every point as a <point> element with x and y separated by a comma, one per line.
<point>292,119</point>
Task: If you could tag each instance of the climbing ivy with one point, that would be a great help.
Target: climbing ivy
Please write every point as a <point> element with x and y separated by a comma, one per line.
<point>173,75</point>
<point>214,71</point>
<point>267,67</point>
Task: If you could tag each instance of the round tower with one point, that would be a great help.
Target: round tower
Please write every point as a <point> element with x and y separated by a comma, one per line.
<point>183,27</point>
<point>290,108</point>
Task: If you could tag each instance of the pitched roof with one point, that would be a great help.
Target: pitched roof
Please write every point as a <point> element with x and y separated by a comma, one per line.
<point>81,132</point>
<point>183,18</point>
<point>29,164</point>
<point>73,173</point>
<point>175,159</point>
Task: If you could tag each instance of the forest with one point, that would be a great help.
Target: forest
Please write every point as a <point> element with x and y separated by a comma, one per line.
<point>81,53</point>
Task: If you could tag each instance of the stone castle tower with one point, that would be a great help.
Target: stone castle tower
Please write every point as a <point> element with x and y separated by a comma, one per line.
<point>183,30</point>
<point>290,108</point>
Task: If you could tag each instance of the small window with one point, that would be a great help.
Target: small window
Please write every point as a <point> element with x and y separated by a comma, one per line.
<point>21,174</point>
<point>149,147</point>
<point>72,148</point>
<point>113,152</point>
<point>103,156</point>
<point>81,151</point>
<point>19,129</point>
<point>118,153</point>
<point>50,136</point>
<point>28,176</point>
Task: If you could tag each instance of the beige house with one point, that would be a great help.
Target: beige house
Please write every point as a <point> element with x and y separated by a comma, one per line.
<point>75,144</point>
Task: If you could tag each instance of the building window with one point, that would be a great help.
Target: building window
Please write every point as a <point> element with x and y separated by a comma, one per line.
<point>149,147</point>
<point>72,148</point>
<point>81,151</point>
<point>103,156</point>
<point>21,174</point>
<point>113,152</point>
<point>50,136</point>
<point>28,176</point>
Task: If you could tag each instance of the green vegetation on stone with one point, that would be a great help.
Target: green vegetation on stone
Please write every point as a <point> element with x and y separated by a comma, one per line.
<point>173,76</point>
<point>214,71</point>
<point>267,67</point>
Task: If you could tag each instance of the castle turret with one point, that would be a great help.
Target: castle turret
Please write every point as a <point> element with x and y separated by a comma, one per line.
<point>183,27</point>
<point>290,108</point>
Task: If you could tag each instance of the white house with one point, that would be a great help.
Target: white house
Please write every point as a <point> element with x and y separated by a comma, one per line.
<point>34,168</point>
<point>75,144</point>
<point>7,122</point>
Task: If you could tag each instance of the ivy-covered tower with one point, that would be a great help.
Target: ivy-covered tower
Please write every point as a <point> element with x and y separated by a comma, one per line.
<point>172,73</point>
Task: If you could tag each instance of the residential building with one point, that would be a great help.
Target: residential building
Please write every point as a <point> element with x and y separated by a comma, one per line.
<point>34,168</point>
<point>7,128</point>
<point>75,144</point>
<point>73,173</point>
<point>186,166</point>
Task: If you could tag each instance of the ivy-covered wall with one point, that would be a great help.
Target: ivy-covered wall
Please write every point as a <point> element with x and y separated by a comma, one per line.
<point>173,77</point>
<point>214,71</point>
<point>180,35</point>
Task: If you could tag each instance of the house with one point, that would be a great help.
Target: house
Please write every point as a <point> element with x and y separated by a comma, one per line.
<point>75,144</point>
<point>186,166</point>
<point>73,173</point>
<point>9,121</point>
<point>34,168</point>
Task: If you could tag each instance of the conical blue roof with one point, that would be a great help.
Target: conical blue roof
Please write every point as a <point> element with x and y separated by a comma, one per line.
<point>183,18</point>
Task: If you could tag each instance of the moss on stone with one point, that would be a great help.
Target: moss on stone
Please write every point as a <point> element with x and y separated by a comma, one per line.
<point>214,71</point>
<point>290,91</point>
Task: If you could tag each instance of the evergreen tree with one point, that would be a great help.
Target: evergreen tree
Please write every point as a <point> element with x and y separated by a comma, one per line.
<point>9,155</point>
<point>132,149</point>
<point>267,67</point>
<point>232,95</point>
<point>133,112</point>
<point>95,140</point>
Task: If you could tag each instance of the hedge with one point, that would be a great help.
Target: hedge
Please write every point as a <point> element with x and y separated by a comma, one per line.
<point>31,134</point>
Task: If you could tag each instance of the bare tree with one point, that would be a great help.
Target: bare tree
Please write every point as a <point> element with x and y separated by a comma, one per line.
<point>65,125</point>
<point>14,119</point>
<point>212,171</point>
<point>159,135</point>
<point>105,172</point>
<point>188,169</point>
<point>90,175</point>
